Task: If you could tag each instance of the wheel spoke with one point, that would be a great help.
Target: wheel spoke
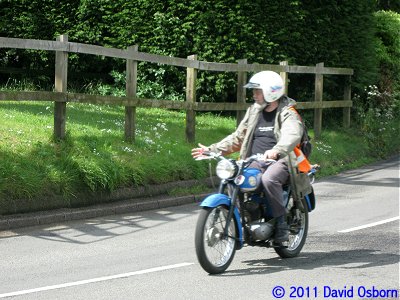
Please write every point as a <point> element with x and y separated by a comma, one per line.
<point>298,222</point>
<point>295,239</point>
<point>218,248</point>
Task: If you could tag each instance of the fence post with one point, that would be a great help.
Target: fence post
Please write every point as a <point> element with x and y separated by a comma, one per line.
<point>319,86</point>
<point>60,85</point>
<point>131,89</point>
<point>347,96</point>
<point>241,91</point>
<point>285,77</point>
<point>191,76</point>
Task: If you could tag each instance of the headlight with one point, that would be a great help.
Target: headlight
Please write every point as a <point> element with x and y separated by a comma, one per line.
<point>226,169</point>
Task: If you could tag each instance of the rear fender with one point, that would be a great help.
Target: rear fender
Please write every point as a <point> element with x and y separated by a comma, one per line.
<point>215,200</point>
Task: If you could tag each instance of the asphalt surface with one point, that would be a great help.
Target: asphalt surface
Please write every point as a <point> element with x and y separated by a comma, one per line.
<point>352,246</point>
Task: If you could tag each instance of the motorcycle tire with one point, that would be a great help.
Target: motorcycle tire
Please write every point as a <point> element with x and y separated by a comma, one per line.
<point>215,252</point>
<point>298,231</point>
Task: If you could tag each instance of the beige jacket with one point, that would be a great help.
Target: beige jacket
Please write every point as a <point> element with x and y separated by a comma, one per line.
<point>288,132</point>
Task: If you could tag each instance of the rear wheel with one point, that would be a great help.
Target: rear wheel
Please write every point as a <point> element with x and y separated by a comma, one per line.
<point>298,226</point>
<point>215,251</point>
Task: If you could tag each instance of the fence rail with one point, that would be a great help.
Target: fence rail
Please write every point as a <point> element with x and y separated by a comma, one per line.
<point>132,56</point>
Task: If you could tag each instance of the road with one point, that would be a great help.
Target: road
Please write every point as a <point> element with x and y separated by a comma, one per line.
<point>352,249</point>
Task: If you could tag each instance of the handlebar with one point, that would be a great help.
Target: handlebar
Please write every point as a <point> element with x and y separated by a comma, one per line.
<point>249,160</point>
<point>257,157</point>
<point>209,155</point>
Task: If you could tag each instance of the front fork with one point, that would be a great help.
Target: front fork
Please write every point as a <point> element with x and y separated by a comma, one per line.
<point>233,192</point>
<point>233,198</point>
<point>230,201</point>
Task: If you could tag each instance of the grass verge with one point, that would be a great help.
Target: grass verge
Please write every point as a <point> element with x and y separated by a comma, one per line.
<point>37,173</point>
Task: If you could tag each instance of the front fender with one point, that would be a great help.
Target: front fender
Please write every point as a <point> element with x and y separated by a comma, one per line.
<point>215,200</point>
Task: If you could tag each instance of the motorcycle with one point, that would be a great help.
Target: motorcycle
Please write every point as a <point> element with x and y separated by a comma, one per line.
<point>239,214</point>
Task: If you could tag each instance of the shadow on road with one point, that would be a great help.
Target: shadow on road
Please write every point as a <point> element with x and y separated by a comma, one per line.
<point>343,259</point>
<point>365,176</point>
<point>104,228</point>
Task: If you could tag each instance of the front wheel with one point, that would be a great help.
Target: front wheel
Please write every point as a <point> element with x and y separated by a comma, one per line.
<point>215,251</point>
<point>298,225</point>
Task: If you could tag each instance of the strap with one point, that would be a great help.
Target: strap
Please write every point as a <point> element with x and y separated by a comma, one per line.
<point>293,109</point>
<point>305,136</point>
<point>291,180</point>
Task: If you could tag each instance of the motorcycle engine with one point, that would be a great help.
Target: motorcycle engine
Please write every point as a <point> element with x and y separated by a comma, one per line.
<point>253,210</point>
<point>261,231</point>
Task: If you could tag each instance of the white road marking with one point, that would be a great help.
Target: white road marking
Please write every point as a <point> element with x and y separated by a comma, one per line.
<point>82,282</point>
<point>370,225</point>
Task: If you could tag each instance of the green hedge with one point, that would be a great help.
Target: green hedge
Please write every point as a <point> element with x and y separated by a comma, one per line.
<point>388,49</point>
<point>341,34</point>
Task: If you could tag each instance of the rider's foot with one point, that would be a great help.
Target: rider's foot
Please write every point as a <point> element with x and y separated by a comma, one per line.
<point>281,232</point>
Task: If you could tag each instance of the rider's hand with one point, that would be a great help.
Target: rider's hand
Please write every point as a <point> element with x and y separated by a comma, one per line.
<point>198,152</point>
<point>271,154</point>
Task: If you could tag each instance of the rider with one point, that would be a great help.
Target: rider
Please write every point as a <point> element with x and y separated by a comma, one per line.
<point>269,128</point>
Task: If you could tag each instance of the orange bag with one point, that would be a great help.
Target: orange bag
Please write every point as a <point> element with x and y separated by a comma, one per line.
<point>303,164</point>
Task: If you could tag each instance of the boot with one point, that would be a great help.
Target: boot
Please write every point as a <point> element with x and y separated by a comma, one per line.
<point>281,232</point>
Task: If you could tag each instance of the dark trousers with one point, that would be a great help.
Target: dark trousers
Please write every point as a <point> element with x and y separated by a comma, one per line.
<point>275,176</point>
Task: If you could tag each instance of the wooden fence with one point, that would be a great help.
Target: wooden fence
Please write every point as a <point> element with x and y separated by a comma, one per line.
<point>132,56</point>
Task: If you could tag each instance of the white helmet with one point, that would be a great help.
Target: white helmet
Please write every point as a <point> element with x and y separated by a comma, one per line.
<point>269,82</point>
